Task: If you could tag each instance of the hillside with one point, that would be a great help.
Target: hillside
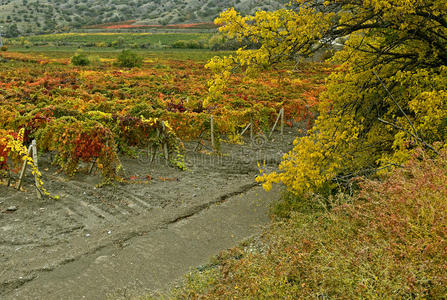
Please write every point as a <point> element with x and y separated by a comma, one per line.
<point>46,16</point>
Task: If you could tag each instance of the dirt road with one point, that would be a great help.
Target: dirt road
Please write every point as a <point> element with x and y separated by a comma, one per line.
<point>138,236</point>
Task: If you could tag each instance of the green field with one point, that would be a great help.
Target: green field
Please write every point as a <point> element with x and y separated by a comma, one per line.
<point>116,40</point>
<point>201,55</point>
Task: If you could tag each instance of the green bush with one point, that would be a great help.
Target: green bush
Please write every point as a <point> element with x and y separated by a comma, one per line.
<point>129,59</point>
<point>80,59</point>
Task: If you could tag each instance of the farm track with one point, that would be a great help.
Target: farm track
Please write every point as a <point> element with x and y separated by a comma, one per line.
<point>44,239</point>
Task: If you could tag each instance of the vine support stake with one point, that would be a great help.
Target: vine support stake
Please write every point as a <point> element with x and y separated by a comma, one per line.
<point>32,150</point>
<point>280,116</point>
<point>154,147</point>
<point>22,172</point>
<point>153,154</point>
<point>282,122</point>
<point>90,170</point>
<point>9,177</point>
<point>35,159</point>
<point>165,149</point>
<point>245,129</point>
<point>212,132</point>
<point>165,143</point>
<point>251,130</point>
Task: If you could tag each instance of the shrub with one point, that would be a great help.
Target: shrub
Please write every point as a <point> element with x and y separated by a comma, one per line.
<point>129,59</point>
<point>80,59</point>
<point>4,48</point>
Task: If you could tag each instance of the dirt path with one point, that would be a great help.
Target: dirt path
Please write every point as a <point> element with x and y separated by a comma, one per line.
<point>134,236</point>
<point>155,259</point>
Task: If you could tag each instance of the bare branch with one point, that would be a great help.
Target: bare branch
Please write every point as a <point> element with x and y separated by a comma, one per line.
<point>416,137</point>
<point>348,177</point>
<point>397,104</point>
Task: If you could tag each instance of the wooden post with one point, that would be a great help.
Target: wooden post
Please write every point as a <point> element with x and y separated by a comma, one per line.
<point>166,152</point>
<point>154,148</point>
<point>36,164</point>
<point>276,123</point>
<point>90,170</point>
<point>22,172</point>
<point>154,153</point>
<point>282,121</point>
<point>32,150</point>
<point>212,132</point>
<point>245,129</point>
<point>9,177</point>
<point>251,131</point>
<point>165,143</point>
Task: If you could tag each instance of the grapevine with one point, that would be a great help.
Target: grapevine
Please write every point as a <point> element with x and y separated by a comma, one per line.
<point>88,116</point>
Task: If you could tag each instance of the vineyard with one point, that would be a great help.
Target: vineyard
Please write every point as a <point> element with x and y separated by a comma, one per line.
<point>96,114</point>
<point>295,138</point>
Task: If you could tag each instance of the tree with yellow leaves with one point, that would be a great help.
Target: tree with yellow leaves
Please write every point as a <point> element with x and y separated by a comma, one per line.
<point>386,98</point>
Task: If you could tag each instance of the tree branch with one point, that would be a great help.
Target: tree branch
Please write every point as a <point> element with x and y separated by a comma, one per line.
<point>415,137</point>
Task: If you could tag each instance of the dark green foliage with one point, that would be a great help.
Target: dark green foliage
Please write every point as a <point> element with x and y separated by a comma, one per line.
<point>80,59</point>
<point>129,59</point>
<point>12,31</point>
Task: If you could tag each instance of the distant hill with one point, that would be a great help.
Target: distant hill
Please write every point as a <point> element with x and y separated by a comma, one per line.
<point>19,17</point>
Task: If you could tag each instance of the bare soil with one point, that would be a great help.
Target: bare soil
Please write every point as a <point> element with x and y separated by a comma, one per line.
<point>139,235</point>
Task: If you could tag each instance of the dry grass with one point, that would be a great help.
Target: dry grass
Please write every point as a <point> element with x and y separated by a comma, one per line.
<point>390,241</point>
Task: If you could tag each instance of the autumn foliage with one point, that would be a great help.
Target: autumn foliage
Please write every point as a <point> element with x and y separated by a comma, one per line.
<point>91,114</point>
<point>383,113</point>
<point>386,98</point>
<point>389,242</point>
<point>5,148</point>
